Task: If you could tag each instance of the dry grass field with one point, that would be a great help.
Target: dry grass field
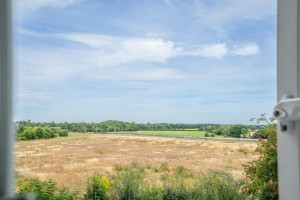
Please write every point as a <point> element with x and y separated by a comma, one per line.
<point>69,161</point>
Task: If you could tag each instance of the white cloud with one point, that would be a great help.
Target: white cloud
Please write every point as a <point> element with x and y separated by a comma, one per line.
<point>248,50</point>
<point>102,58</point>
<point>214,50</point>
<point>109,50</point>
<point>25,9</point>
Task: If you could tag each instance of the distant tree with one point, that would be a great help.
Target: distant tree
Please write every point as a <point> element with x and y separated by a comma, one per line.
<point>222,130</point>
<point>209,129</point>
<point>39,133</point>
<point>237,130</point>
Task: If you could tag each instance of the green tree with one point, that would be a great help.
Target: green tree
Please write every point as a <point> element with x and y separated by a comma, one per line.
<point>39,133</point>
<point>29,133</point>
<point>237,130</point>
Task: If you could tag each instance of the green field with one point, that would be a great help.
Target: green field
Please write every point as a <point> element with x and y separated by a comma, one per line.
<point>172,133</point>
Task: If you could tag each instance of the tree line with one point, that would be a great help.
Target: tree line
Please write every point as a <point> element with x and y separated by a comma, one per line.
<point>120,126</point>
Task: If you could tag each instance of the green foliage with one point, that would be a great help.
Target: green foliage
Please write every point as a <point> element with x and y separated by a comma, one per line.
<point>98,187</point>
<point>164,167</point>
<point>62,133</point>
<point>119,126</point>
<point>132,183</point>
<point>263,118</point>
<point>46,190</point>
<point>128,184</point>
<point>39,133</point>
<point>218,185</point>
<point>118,168</point>
<point>222,130</point>
<point>183,172</point>
<point>27,132</point>
<point>238,130</point>
<point>215,186</point>
<point>262,174</point>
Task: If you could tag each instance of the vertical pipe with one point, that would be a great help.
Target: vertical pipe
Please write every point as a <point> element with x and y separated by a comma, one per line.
<point>6,125</point>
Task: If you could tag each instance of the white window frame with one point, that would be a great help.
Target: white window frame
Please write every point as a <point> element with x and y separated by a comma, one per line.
<point>288,82</point>
<point>6,125</point>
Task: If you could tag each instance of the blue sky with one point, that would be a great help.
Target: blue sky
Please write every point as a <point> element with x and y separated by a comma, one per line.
<point>192,61</point>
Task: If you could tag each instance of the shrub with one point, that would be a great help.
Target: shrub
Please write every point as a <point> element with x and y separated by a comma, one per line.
<point>63,133</point>
<point>29,133</point>
<point>164,167</point>
<point>206,135</point>
<point>131,183</point>
<point>46,190</point>
<point>39,133</point>
<point>214,186</point>
<point>98,187</point>
<point>118,168</point>
<point>182,172</point>
<point>262,174</point>
<point>51,133</point>
<point>127,184</point>
<point>218,185</point>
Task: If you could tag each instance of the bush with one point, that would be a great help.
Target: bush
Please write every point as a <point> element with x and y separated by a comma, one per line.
<point>218,185</point>
<point>206,135</point>
<point>98,187</point>
<point>39,133</point>
<point>215,186</point>
<point>134,184</point>
<point>46,190</point>
<point>63,133</point>
<point>262,174</point>
<point>127,184</point>
<point>31,133</point>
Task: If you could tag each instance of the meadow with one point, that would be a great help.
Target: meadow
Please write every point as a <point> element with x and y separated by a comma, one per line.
<point>183,133</point>
<point>69,161</point>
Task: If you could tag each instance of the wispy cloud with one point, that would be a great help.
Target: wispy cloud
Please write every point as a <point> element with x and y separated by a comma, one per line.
<point>215,51</point>
<point>167,60</point>
<point>247,50</point>
<point>117,50</point>
<point>103,57</point>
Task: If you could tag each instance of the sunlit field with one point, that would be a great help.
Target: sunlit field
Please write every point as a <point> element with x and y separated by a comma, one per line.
<point>173,133</point>
<point>69,161</point>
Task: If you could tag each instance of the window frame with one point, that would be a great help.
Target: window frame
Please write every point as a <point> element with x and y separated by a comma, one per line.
<point>6,125</point>
<point>288,82</point>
